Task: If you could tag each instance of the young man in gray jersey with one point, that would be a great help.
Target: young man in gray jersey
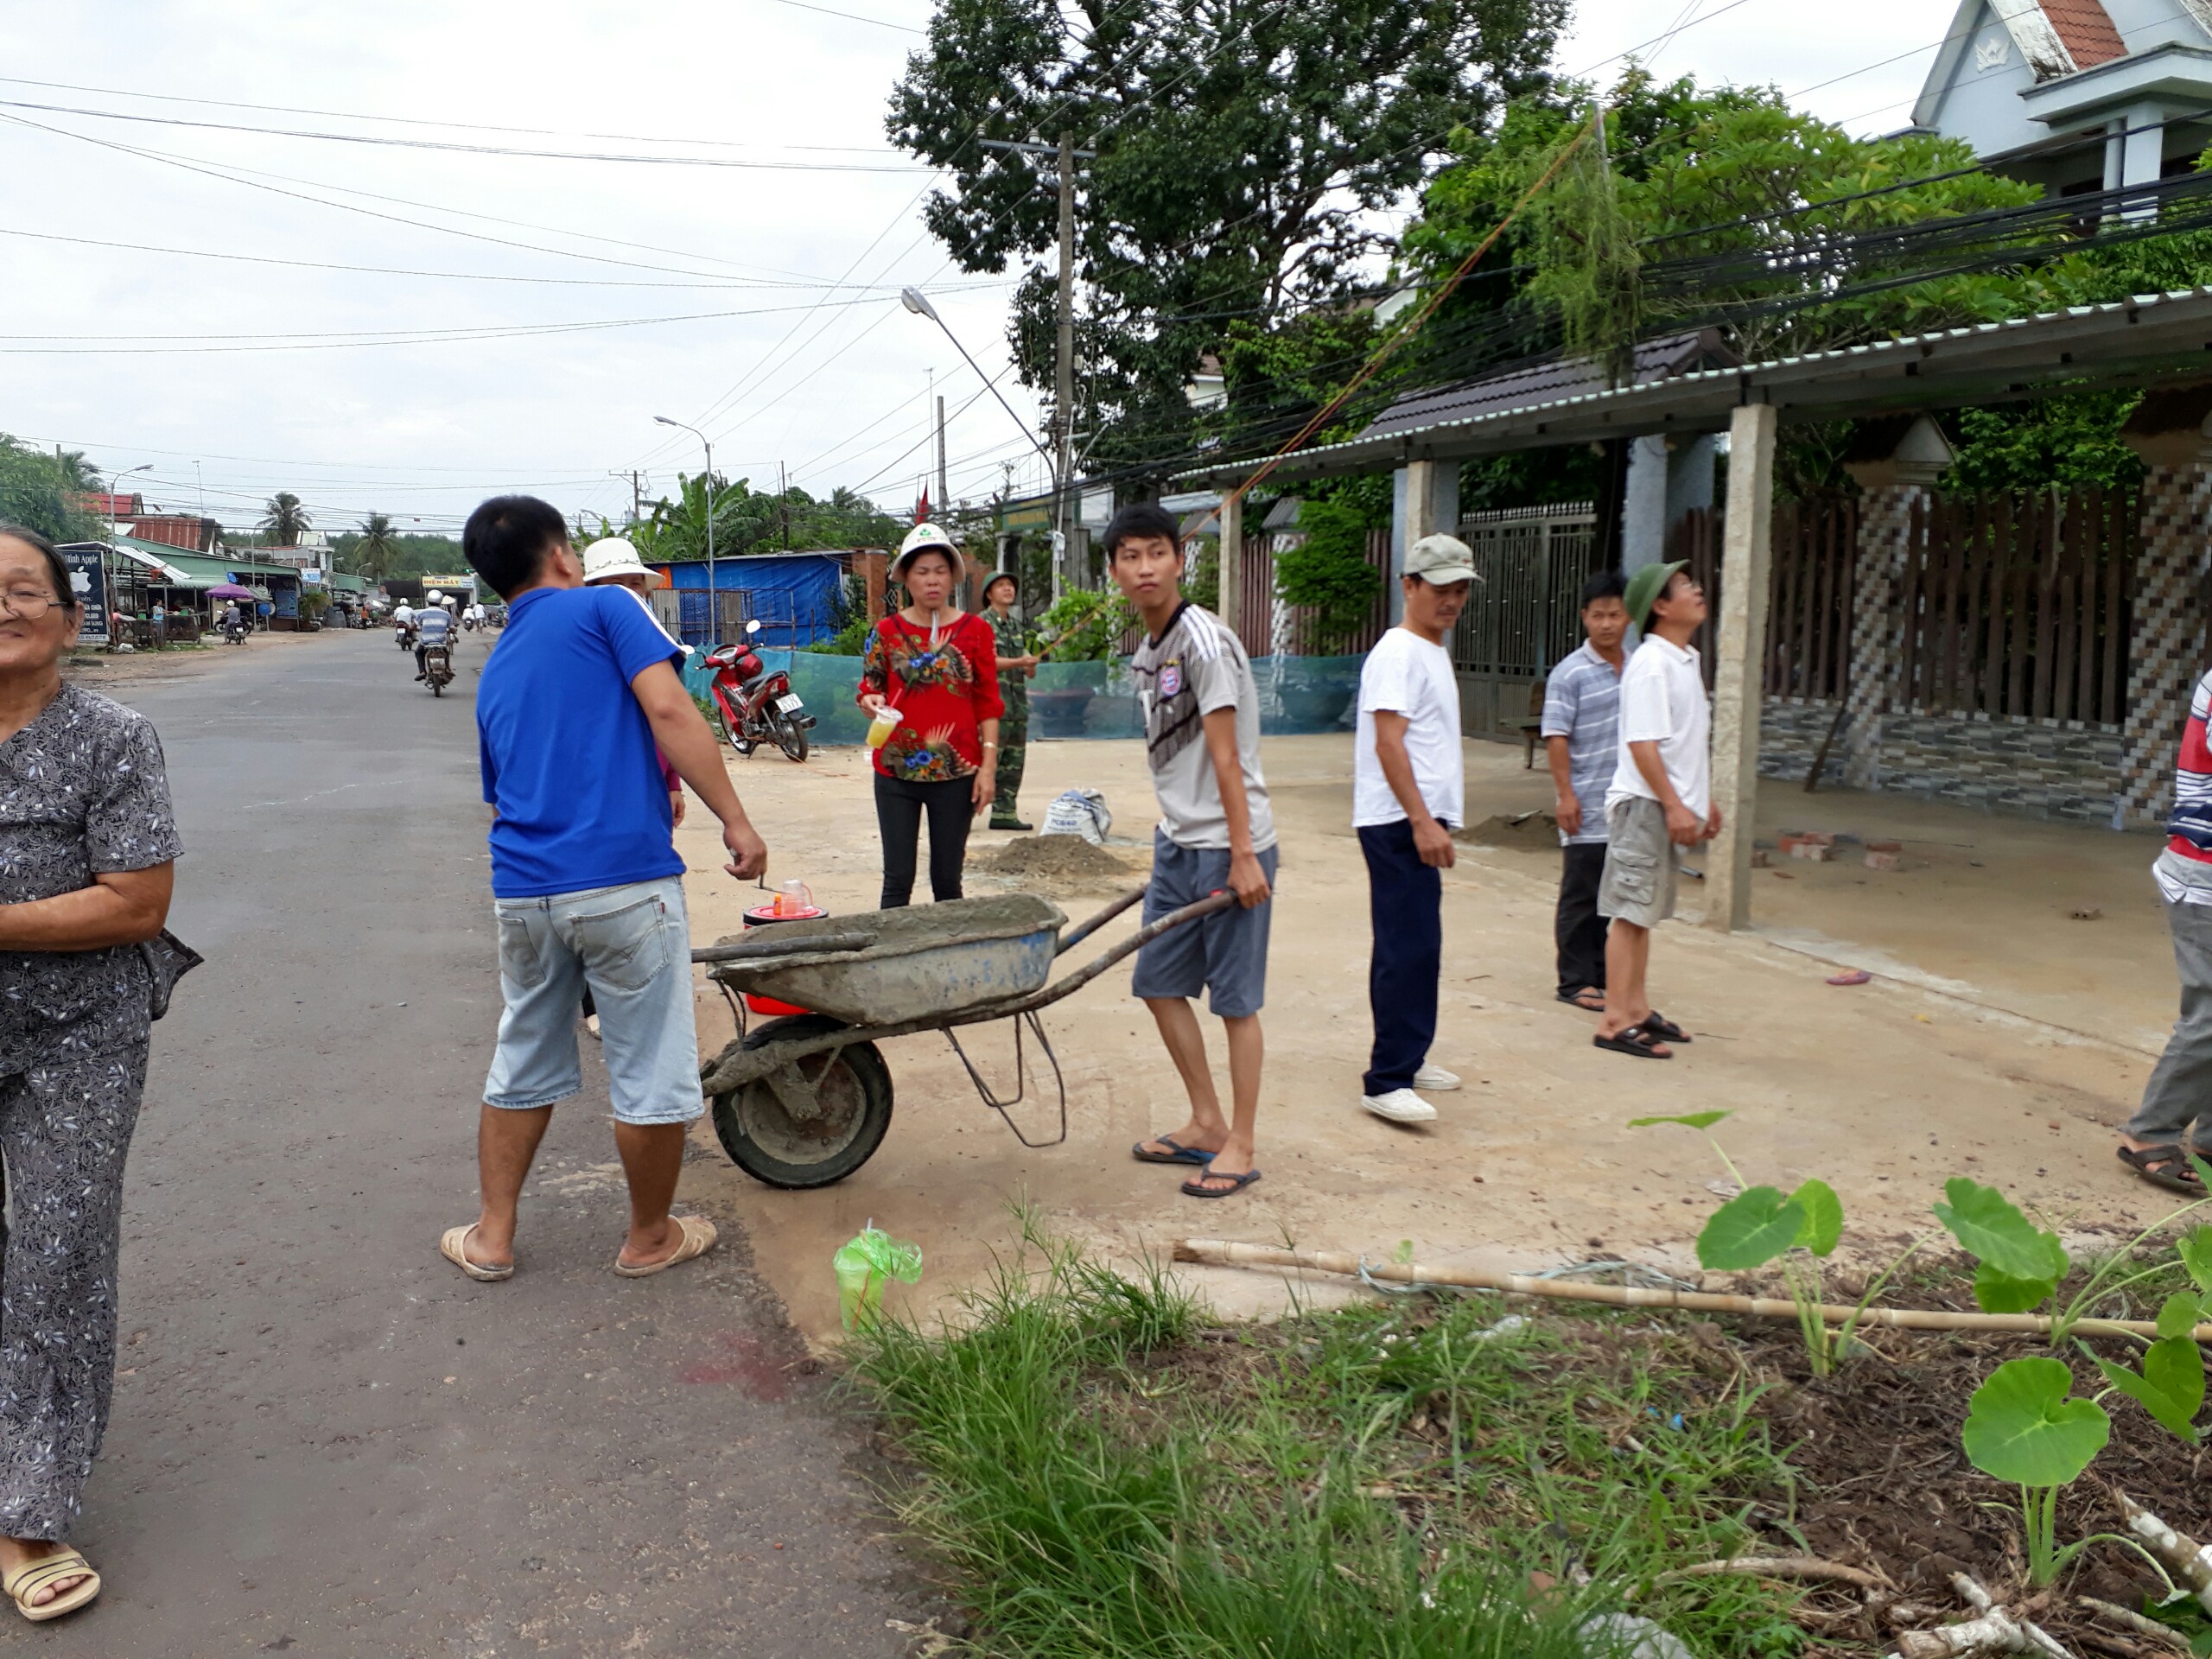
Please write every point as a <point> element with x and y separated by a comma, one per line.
<point>1215,832</point>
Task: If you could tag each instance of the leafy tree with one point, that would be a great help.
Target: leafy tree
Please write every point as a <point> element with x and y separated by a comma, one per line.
<point>750,521</point>
<point>1735,201</point>
<point>372,555</point>
<point>406,554</point>
<point>38,491</point>
<point>1245,152</point>
<point>285,520</point>
<point>1328,570</point>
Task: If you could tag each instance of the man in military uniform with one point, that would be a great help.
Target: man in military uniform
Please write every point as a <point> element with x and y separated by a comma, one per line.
<point>1017,666</point>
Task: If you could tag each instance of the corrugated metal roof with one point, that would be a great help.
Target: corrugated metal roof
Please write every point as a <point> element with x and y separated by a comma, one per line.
<point>2131,342</point>
<point>1536,383</point>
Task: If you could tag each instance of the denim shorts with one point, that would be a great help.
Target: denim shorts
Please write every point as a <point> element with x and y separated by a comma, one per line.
<point>1224,954</point>
<point>631,944</point>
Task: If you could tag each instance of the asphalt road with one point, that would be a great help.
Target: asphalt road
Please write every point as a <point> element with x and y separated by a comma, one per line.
<point>325,1441</point>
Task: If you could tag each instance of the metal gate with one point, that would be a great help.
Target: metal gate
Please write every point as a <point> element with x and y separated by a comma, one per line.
<point>1522,616</point>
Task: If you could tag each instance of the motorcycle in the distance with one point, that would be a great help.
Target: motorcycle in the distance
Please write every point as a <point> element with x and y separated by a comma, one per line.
<point>437,668</point>
<point>403,634</point>
<point>754,706</point>
<point>234,633</point>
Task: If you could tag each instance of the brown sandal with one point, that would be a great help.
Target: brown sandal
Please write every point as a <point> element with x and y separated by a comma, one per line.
<point>2164,1166</point>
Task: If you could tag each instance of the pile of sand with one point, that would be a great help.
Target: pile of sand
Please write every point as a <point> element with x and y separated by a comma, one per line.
<point>1053,858</point>
<point>1532,832</point>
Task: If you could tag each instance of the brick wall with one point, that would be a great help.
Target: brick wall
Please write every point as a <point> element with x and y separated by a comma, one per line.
<point>2037,768</point>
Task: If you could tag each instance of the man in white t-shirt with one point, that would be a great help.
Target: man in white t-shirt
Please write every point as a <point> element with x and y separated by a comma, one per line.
<point>1660,799</point>
<point>1408,791</point>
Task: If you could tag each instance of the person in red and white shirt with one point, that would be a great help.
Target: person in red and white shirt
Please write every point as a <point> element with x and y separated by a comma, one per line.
<point>2158,1138</point>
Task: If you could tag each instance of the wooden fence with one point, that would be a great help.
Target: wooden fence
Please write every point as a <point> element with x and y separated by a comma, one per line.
<point>2017,606</point>
<point>1808,603</point>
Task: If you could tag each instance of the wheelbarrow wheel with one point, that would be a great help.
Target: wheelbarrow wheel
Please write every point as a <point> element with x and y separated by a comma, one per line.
<point>850,1091</point>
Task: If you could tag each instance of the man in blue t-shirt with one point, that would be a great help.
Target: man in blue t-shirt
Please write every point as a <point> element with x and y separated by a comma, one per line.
<point>586,885</point>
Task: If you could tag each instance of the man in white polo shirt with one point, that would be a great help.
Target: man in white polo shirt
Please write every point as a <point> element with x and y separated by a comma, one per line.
<point>1661,798</point>
<point>1409,789</point>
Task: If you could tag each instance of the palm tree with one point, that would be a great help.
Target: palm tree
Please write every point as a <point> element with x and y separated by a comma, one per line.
<point>373,553</point>
<point>286,519</point>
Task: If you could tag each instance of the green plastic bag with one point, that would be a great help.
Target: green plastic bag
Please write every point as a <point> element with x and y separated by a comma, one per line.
<point>864,1263</point>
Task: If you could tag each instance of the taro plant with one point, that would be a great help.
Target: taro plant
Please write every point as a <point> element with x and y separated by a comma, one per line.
<point>2171,1384</point>
<point>2023,1426</point>
<point>1761,1223</point>
<point>2020,1266</point>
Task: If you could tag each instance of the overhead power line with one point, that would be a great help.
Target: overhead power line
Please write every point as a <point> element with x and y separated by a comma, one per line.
<point>389,142</point>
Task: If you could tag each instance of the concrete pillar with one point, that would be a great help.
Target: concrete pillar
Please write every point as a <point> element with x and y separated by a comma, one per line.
<point>1739,669</point>
<point>1232,566</point>
<point>1896,464</point>
<point>1643,505</point>
<point>2171,431</point>
<point>1424,499</point>
<point>2143,156</point>
<point>1690,476</point>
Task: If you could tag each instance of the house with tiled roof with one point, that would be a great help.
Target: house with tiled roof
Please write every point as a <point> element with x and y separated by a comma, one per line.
<point>2076,95</point>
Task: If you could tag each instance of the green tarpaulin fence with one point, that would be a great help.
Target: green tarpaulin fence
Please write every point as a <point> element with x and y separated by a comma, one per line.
<point>1298,695</point>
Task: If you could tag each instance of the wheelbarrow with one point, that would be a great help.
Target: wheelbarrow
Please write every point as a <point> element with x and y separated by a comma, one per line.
<point>804,1101</point>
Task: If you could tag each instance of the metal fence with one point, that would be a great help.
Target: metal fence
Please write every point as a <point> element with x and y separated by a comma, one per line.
<point>1523,614</point>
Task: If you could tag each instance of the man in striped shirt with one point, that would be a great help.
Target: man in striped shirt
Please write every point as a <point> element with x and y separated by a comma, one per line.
<point>2158,1139</point>
<point>1581,732</point>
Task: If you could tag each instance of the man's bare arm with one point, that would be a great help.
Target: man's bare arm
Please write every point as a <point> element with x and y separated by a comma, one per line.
<point>683,737</point>
<point>1246,879</point>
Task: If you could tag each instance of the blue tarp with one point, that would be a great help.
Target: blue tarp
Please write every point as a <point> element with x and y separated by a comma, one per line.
<point>1069,699</point>
<point>793,595</point>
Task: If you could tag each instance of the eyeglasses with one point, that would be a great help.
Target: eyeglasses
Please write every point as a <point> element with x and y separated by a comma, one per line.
<point>27,603</point>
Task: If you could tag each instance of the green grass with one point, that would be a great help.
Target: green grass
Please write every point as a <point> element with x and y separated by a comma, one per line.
<point>1100,1475</point>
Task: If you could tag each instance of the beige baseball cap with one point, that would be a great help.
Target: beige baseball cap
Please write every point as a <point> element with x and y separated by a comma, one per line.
<point>1441,560</point>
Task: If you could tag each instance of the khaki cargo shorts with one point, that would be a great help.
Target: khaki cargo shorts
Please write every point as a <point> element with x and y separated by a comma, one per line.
<point>1638,884</point>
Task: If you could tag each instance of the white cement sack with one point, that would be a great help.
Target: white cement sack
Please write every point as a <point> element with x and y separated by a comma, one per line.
<point>1078,812</point>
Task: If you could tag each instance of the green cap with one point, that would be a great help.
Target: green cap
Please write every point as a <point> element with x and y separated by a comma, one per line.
<point>1646,584</point>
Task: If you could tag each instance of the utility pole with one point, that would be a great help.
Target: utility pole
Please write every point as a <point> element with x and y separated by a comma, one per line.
<point>944,490</point>
<point>784,504</point>
<point>1064,374</point>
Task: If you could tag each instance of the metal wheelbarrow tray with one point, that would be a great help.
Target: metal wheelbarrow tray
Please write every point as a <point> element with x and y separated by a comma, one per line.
<point>806,1100</point>
<point>925,959</point>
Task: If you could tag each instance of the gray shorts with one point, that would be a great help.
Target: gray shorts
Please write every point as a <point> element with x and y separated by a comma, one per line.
<point>631,944</point>
<point>1224,954</point>
<point>1638,884</point>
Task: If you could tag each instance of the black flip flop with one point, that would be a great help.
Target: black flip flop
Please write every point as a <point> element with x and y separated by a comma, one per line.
<point>1574,999</point>
<point>1177,1153</point>
<point>2164,1165</point>
<point>1192,1189</point>
<point>1632,1040</point>
<point>1664,1028</point>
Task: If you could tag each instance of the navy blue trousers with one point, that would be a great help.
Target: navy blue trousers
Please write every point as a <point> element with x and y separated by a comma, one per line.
<point>1405,900</point>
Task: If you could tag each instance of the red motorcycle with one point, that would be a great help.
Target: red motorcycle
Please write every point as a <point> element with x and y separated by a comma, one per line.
<point>754,706</point>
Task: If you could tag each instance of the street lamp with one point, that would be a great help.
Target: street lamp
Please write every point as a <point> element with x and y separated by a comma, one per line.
<point>918,302</point>
<point>664,421</point>
<point>113,527</point>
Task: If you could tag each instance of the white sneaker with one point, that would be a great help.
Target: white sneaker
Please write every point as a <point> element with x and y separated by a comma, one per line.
<point>1436,1077</point>
<point>1400,1106</point>
<point>591,1024</point>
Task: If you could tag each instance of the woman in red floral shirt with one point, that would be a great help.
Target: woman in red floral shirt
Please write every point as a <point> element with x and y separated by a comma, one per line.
<point>938,667</point>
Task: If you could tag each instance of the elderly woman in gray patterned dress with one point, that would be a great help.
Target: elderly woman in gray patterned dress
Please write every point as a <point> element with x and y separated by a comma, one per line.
<point>87,847</point>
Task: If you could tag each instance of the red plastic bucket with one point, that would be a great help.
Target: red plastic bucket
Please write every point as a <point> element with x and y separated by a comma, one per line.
<point>766,916</point>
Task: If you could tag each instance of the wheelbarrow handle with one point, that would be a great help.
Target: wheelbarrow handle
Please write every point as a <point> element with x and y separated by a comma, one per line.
<point>783,944</point>
<point>1136,941</point>
<point>1070,940</point>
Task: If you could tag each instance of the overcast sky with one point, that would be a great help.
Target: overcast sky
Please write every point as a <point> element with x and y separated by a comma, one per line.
<point>494,270</point>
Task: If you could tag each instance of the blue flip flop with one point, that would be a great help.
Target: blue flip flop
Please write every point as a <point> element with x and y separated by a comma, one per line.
<point>1192,1189</point>
<point>1177,1153</point>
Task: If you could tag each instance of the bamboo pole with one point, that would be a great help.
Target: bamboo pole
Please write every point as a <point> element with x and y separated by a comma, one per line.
<point>1219,1253</point>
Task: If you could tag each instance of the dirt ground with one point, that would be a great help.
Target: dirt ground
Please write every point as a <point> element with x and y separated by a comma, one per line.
<point>96,669</point>
<point>2001,1038</point>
